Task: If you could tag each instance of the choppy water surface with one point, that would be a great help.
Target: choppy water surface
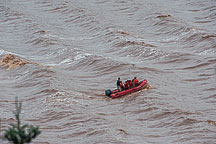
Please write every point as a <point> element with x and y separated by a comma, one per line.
<point>83,46</point>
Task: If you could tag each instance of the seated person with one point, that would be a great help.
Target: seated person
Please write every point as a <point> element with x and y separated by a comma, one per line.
<point>121,87</point>
<point>135,81</point>
<point>130,83</point>
<point>126,85</point>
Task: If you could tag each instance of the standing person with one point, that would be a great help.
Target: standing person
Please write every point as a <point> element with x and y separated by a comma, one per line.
<point>118,84</point>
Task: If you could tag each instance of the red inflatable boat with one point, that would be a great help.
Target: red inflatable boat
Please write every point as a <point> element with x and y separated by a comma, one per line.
<point>116,93</point>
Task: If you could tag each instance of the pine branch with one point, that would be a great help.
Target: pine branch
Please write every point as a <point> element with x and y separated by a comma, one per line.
<point>17,133</point>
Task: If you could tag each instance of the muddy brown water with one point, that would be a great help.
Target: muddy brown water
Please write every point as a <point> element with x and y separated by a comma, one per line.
<point>85,45</point>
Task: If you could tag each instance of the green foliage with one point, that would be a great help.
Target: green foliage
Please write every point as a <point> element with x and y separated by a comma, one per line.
<point>20,134</point>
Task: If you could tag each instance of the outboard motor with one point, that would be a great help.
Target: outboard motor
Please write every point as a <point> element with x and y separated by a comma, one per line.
<point>108,92</point>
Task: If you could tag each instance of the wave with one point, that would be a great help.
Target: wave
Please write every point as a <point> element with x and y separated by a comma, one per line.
<point>68,52</point>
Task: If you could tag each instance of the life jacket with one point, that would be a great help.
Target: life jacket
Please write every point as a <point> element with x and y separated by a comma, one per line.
<point>126,85</point>
<point>121,86</point>
<point>130,83</point>
<point>136,81</point>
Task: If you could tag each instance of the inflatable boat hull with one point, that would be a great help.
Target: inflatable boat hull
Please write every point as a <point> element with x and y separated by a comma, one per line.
<point>116,93</point>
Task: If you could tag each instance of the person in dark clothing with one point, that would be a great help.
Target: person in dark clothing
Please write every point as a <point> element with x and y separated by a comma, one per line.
<point>118,83</point>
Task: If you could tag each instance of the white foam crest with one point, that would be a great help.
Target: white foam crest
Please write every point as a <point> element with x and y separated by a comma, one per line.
<point>81,56</point>
<point>208,52</point>
<point>175,38</point>
<point>68,60</point>
<point>50,36</point>
<point>2,52</point>
<point>184,34</point>
<point>78,56</point>
<point>75,39</point>
<point>60,97</point>
<point>66,38</point>
<point>65,61</point>
<point>67,99</point>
